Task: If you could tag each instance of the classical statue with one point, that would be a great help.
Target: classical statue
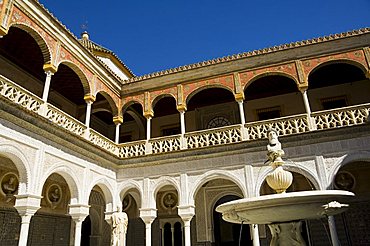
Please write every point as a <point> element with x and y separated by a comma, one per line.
<point>274,151</point>
<point>119,227</point>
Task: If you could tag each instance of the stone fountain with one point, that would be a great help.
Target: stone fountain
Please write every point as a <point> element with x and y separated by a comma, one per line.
<point>283,212</point>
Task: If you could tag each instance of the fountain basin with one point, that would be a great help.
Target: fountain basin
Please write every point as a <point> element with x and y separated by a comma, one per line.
<point>285,207</point>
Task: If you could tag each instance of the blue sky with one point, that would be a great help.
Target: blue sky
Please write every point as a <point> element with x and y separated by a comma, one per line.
<point>153,35</point>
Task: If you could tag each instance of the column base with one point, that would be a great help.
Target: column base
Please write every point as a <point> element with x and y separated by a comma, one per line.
<point>288,233</point>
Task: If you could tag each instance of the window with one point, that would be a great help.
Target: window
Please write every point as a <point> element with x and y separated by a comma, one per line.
<point>269,113</point>
<point>218,121</point>
<point>334,102</point>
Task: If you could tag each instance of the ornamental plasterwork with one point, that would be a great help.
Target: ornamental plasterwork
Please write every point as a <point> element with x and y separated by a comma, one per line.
<point>9,185</point>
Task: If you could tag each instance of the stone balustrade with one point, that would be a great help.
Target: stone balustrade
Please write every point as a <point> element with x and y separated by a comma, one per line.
<point>295,124</point>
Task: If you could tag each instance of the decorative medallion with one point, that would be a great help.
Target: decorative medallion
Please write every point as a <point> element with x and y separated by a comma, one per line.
<point>169,200</point>
<point>9,184</point>
<point>344,181</point>
<point>54,195</point>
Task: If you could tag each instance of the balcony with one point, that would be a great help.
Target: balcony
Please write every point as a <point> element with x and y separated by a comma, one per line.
<point>296,124</point>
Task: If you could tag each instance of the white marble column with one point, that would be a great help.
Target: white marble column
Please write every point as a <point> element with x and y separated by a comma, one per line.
<point>241,112</point>
<point>26,205</point>
<point>45,93</point>
<point>186,212</point>
<point>78,213</point>
<point>89,99</point>
<point>182,110</point>
<point>182,122</point>
<point>148,215</point>
<point>333,231</point>
<point>148,127</point>
<point>118,120</point>
<point>311,122</point>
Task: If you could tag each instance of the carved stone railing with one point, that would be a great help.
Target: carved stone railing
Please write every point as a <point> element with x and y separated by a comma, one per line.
<point>165,144</point>
<point>103,142</point>
<point>348,116</point>
<point>19,96</point>
<point>284,126</point>
<point>64,120</point>
<point>132,149</point>
<point>296,124</point>
<point>212,137</point>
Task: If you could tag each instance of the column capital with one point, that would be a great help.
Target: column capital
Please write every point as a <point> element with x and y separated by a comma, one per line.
<point>367,74</point>
<point>148,215</point>
<point>186,212</point>
<point>239,97</point>
<point>27,204</point>
<point>89,98</point>
<point>181,108</point>
<point>79,212</point>
<point>148,114</point>
<point>3,31</point>
<point>303,89</point>
<point>118,119</point>
<point>50,68</point>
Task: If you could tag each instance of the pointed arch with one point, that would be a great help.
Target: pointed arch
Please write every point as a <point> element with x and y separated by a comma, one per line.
<point>267,74</point>
<point>22,164</point>
<point>289,166</point>
<point>216,174</point>
<point>81,75</point>
<point>69,176</point>
<point>346,159</point>
<point>110,100</point>
<point>45,49</point>
<point>107,190</point>
<point>125,187</point>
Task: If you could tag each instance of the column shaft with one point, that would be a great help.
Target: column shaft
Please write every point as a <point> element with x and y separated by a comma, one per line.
<point>148,234</point>
<point>255,235</point>
<point>45,93</point>
<point>187,233</point>
<point>116,140</point>
<point>78,228</point>
<point>148,127</point>
<point>182,122</point>
<point>25,225</point>
<point>333,231</point>
<point>88,113</point>
<point>241,111</point>
<point>306,102</point>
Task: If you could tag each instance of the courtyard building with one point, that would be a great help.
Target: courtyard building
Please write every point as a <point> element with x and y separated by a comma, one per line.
<point>80,134</point>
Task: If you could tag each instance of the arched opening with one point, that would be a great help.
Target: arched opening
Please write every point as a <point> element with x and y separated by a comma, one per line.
<point>167,200</point>
<point>353,225</point>
<point>211,108</point>
<point>67,92</point>
<point>270,97</point>
<point>102,117</point>
<point>136,226</point>
<point>96,230</point>
<point>207,223</point>
<point>166,120</point>
<point>228,234</point>
<point>22,60</point>
<point>336,85</point>
<point>134,124</point>
<point>51,224</point>
<point>10,220</point>
<point>300,183</point>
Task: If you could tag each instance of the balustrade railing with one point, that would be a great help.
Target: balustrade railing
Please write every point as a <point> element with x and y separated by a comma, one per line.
<point>64,120</point>
<point>19,96</point>
<point>212,137</point>
<point>284,126</point>
<point>348,116</point>
<point>296,124</point>
<point>165,144</point>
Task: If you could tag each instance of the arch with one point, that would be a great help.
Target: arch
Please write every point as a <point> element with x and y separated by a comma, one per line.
<point>346,159</point>
<point>289,166</point>
<point>110,100</point>
<point>342,60</point>
<point>69,176</point>
<point>126,186</point>
<point>130,103</point>
<point>22,164</point>
<point>159,97</point>
<point>163,181</point>
<point>81,75</point>
<point>267,74</point>
<point>107,189</point>
<point>202,88</point>
<point>44,47</point>
<point>215,174</point>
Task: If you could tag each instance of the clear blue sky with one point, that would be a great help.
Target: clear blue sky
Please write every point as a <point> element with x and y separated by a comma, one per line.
<point>153,35</point>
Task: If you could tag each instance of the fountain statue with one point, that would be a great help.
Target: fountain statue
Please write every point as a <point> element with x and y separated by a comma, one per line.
<point>283,212</point>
